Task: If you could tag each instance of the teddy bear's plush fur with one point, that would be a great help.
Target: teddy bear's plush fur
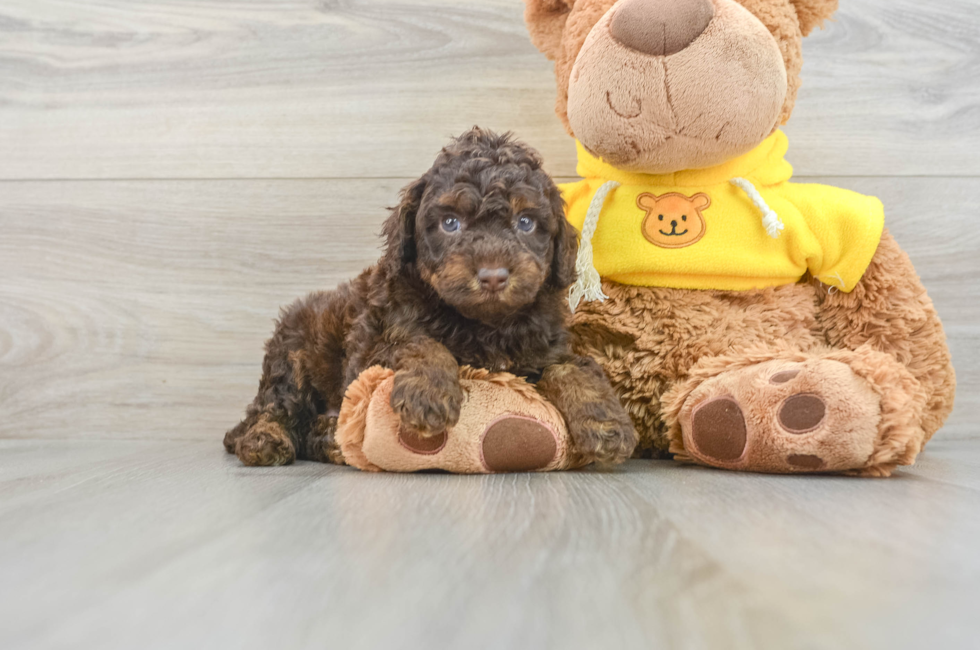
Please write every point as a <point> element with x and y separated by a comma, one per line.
<point>793,378</point>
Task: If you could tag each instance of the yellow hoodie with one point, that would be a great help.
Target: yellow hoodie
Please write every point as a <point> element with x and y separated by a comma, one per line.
<point>740,225</point>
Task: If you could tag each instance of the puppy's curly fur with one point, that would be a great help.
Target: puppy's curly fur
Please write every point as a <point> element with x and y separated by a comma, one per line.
<point>477,264</point>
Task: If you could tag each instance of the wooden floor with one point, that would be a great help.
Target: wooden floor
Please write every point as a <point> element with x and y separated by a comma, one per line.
<point>172,171</point>
<point>165,544</point>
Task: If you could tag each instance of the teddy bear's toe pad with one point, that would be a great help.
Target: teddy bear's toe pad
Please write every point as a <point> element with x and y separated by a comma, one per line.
<point>420,444</point>
<point>718,429</point>
<point>783,376</point>
<point>518,444</point>
<point>802,413</point>
<point>805,461</point>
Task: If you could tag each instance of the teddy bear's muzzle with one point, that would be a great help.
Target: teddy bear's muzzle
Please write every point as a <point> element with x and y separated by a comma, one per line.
<point>666,85</point>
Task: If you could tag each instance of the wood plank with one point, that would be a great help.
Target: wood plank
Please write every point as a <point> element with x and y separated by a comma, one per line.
<point>139,308</point>
<point>370,88</point>
<point>888,89</point>
<point>164,544</point>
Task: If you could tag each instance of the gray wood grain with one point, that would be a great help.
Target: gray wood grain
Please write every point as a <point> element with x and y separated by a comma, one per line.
<point>139,308</point>
<point>134,304</point>
<point>367,88</point>
<point>166,544</point>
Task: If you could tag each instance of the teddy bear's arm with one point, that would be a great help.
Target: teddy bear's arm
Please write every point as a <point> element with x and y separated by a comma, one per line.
<point>839,233</point>
<point>890,311</point>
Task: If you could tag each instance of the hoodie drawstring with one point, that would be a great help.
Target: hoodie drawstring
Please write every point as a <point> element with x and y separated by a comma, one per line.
<point>769,218</point>
<point>588,285</point>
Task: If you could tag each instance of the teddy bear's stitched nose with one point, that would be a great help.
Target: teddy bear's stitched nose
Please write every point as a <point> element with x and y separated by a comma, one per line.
<point>660,27</point>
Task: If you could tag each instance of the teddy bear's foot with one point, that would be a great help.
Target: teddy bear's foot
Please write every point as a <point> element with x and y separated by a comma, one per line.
<point>783,417</point>
<point>801,415</point>
<point>504,426</point>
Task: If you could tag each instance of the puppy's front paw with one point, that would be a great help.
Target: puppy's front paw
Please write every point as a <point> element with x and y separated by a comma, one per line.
<point>427,402</point>
<point>602,433</point>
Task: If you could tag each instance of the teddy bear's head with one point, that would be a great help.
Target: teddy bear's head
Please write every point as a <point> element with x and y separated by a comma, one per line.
<point>658,86</point>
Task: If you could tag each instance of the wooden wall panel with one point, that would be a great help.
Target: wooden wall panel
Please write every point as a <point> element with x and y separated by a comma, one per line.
<point>139,308</point>
<point>370,88</point>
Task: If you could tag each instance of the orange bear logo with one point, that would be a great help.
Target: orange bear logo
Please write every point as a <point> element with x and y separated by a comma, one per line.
<point>673,220</point>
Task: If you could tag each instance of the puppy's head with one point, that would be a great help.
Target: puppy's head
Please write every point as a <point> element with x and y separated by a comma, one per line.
<point>485,227</point>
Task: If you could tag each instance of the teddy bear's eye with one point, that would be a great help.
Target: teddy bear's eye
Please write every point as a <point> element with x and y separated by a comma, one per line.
<point>683,217</point>
<point>661,217</point>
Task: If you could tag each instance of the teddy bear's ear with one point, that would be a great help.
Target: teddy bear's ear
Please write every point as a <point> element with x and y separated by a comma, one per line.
<point>812,13</point>
<point>546,22</point>
<point>700,201</point>
<point>646,201</point>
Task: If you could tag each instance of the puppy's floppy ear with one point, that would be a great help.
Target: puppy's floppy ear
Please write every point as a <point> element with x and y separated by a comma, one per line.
<point>399,229</point>
<point>546,23</point>
<point>812,13</point>
<point>565,244</point>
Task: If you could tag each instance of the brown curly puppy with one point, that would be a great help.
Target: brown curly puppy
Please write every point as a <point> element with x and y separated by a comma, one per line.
<point>476,269</point>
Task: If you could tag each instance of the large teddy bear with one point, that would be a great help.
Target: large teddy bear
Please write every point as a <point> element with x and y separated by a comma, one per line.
<point>747,322</point>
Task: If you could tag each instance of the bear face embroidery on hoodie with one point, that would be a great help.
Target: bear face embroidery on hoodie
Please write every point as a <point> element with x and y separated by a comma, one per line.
<point>673,220</point>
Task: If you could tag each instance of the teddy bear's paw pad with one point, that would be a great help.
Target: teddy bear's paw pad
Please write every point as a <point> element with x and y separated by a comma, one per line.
<point>718,429</point>
<point>514,443</point>
<point>416,443</point>
<point>802,413</point>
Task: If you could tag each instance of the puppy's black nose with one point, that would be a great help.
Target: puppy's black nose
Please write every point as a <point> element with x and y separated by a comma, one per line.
<point>493,279</point>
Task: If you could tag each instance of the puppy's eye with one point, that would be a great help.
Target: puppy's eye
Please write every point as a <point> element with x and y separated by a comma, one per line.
<point>525,224</point>
<point>450,224</point>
